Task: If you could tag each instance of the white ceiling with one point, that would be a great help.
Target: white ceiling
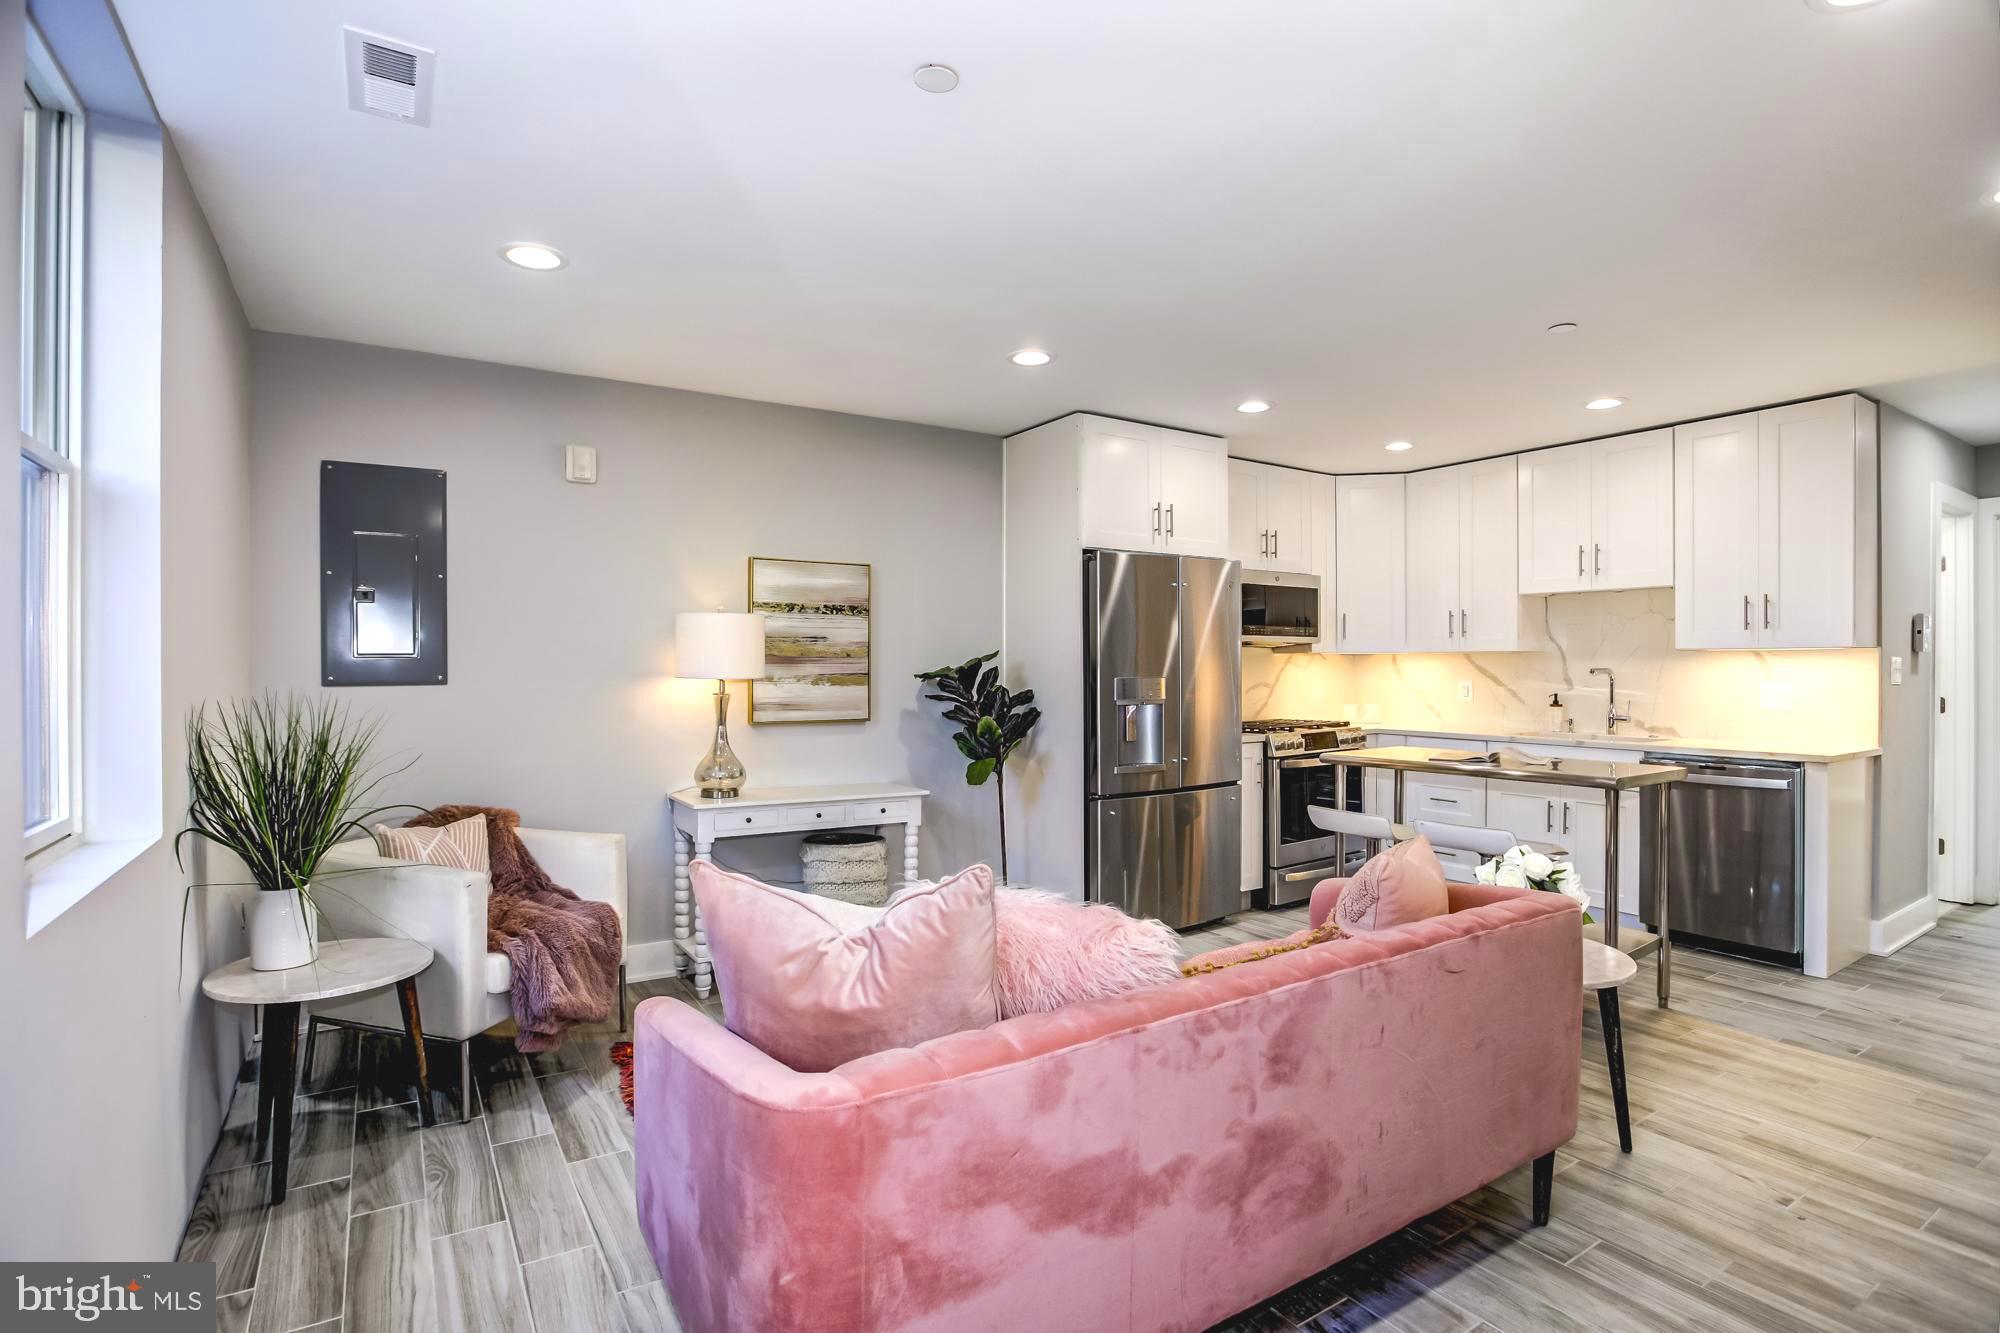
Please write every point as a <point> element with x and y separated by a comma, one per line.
<point>1365,212</point>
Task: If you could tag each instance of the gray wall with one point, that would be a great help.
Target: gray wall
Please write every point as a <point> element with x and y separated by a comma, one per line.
<point>115,1063</point>
<point>1987,463</point>
<point>562,702</point>
<point>1914,456</point>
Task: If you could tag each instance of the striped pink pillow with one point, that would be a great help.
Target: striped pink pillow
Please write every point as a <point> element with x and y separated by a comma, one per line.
<point>461,845</point>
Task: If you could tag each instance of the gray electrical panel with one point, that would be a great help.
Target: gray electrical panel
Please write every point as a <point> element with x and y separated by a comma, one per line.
<point>382,580</point>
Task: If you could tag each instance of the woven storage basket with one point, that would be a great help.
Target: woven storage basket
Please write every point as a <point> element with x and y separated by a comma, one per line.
<point>853,867</point>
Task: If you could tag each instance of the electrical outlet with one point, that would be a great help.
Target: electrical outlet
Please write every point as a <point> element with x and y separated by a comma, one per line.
<point>1895,671</point>
<point>1465,691</point>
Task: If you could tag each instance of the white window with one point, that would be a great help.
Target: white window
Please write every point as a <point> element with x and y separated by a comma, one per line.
<point>51,526</point>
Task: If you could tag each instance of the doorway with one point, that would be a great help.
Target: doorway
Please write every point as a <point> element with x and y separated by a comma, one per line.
<point>1986,600</point>
<point>1954,705</point>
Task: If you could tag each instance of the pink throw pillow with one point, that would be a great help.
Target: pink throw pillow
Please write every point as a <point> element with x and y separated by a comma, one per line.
<point>815,986</point>
<point>1052,951</point>
<point>1405,883</point>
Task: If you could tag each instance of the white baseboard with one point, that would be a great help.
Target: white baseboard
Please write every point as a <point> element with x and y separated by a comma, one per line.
<point>1898,928</point>
<point>648,960</point>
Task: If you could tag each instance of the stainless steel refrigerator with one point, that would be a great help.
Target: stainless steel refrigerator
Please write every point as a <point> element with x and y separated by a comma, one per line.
<point>1163,705</point>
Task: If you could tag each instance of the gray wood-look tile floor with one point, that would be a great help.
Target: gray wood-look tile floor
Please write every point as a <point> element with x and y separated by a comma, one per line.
<point>1809,1155</point>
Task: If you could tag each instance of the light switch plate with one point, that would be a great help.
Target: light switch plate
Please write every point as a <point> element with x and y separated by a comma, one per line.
<point>1895,671</point>
<point>1465,691</point>
<point>580,464</point>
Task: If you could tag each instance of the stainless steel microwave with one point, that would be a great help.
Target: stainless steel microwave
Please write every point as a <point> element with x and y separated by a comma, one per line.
<point>1280,610</point>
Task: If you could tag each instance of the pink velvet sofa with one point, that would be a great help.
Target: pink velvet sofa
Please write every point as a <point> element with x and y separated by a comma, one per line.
<point>1159,1160</point>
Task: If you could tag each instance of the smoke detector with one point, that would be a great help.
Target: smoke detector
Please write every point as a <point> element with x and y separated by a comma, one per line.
<point>389,78</point>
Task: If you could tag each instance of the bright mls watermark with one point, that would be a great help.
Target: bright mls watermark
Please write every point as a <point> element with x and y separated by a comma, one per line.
<point>158,1298</point>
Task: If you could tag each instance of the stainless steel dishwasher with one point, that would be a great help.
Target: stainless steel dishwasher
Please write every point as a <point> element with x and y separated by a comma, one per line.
<point>1734,846</point>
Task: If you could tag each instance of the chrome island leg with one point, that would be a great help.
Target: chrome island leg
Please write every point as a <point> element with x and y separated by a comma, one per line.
<point>1661,898</point>
<point>1610,882</point>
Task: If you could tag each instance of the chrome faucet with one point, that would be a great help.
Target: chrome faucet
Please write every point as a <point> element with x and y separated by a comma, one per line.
<point>1612,717</point>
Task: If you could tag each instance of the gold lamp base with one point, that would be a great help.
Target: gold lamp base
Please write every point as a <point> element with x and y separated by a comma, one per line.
<point>719,775</point>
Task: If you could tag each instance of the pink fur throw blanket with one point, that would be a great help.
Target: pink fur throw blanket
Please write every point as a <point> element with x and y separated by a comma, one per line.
<point>564,950</point>
<point>1049,951</point>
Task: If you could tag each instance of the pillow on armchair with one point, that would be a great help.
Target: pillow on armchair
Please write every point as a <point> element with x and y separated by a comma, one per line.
<point>1403,884</point>
<point>814,983</point>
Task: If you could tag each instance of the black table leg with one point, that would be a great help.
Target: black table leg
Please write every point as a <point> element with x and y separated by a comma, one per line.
<point>406,994</point>
<point>1614,1057</point>
<point>1545,1183</point>
<point>275,1082</point>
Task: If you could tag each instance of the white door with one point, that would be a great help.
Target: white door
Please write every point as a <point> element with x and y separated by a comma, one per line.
<point>1805,594</point>
<point>1194,478</point>
<point>1489,599</point>
<point>1953,705</point>
<point>1368,539</point>
<point>1248,541</point>
<point>1283,505</point>
<point>1322,492</point>
<point>1253,817</point>
<point>1119,486</point>
<point>1554,519</point>
<point>1431,535</point>
<point>1580,827</point>
<point>1717,528</point>
<point>1632,511</point>
<point>1528,810</point>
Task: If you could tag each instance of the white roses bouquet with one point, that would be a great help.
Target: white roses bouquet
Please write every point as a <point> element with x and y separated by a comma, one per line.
<point>1522,868</point>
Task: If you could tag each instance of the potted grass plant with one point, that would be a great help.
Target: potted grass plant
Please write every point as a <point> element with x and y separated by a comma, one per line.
<point>278,782</point>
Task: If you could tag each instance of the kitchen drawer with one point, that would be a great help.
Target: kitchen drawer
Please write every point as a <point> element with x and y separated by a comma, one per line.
<point>881,812</point>
<point>732,821</point>
<point>806,816</point>
<point>1446,798</point>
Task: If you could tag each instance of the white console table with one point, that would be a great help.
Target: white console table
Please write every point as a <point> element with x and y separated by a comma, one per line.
<point>700,822</point>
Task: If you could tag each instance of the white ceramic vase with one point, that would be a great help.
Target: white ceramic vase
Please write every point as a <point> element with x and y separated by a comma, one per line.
<point>284,932</point>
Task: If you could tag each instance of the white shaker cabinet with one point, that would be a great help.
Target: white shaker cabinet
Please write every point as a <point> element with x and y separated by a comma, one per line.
<point>1368,537</point>
<point>1775,528</point>
<point>1322,504</point>
<point>1599,515</point>
<point>1146,488</point>
<point>1253,816</point>
<point>1269,517</point>
<point>1460,565</point>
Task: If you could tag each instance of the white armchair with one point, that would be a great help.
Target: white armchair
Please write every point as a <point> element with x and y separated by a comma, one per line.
<point>466,989</point>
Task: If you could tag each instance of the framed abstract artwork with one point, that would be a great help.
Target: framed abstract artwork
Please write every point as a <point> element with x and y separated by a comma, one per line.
<point>816,640</point>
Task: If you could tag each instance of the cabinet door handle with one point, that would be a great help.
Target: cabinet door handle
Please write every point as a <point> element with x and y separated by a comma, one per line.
<point>1274,543</point>
<point>1264,543</point>
<point>1746,610</point>
<point>1450,625</point>
<point>1565,816</point>
<point>1549,820</point>
<point>1343,624</point>
<point>1156,519</point>
<point>1170,522</point>
<point>1596,559</point>
<point>1464,623</point>
<point>1767,610</point>
<point>1579,559</point>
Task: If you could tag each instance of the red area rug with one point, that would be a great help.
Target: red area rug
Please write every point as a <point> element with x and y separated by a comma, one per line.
<point>621,1055</point>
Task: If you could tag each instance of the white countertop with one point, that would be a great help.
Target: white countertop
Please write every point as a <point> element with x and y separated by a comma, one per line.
<point>1635,742</point>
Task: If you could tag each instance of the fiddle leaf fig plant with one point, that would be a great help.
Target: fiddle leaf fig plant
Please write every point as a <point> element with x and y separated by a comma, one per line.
<point>992,721</point>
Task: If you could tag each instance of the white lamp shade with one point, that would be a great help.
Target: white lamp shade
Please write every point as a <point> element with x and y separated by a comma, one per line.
<point>719,645</point>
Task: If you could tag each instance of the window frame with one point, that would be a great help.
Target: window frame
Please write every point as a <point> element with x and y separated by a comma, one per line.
<point>52,346</point>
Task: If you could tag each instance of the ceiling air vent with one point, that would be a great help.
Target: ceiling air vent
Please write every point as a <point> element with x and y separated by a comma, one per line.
<point>389,78</point>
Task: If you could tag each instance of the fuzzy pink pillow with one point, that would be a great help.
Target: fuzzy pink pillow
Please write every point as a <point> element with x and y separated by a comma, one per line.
<point>1052,951</point>
<point>814,983</point>
<point>1405,883</point>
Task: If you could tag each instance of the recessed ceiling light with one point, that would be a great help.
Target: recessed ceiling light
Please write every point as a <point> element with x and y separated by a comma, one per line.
<point>1835,6</point>
<point>936,78</point>
<point>1604,404</point>
<point>527,254</point>
<point>1031,356</point>
<point>1564,327</point>
<point>1253,405</point>
<point>1996,196</point>
<point>1399,446</point>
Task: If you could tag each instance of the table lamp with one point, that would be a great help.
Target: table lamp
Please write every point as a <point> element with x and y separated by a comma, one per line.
<point>720,646</point>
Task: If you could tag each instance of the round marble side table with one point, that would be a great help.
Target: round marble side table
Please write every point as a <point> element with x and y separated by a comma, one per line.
<point>1604,971</point>
<point>344,967</point>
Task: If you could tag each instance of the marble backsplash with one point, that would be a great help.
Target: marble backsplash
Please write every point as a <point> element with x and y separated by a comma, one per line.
<point>1766,699</point>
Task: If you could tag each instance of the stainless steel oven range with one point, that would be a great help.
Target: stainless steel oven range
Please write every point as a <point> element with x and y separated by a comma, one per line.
<point>1302,768</point>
